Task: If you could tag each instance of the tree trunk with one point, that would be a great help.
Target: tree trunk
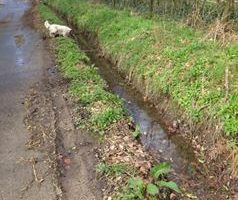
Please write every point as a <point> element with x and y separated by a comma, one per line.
<point>151,8</point>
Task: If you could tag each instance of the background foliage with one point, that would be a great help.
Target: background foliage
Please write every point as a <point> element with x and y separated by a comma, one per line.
<point>206,10</point>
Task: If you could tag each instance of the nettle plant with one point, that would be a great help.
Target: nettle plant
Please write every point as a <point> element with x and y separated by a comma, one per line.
<point>157,188</point>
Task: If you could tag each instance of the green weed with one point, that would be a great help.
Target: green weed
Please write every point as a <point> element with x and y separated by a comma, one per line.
<point>136,134</point>
<point>157,189</point>
<point>109,116</point>
<point>116,169</point>
<point>87,85</point>
<point>46,14</point>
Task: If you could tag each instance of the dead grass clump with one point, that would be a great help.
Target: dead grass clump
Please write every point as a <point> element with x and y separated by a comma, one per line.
<point>218,149</point>
<point>97,107</point>
<point>194,19</point>
<point>222,32</point>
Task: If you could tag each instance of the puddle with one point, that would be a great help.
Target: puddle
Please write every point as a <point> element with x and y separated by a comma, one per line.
<point>18,41</point>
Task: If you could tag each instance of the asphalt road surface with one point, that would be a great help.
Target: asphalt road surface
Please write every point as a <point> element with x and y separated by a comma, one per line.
<point>22,58</point>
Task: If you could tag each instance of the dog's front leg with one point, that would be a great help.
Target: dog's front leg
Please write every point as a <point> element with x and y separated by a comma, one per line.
<point>52,34</point>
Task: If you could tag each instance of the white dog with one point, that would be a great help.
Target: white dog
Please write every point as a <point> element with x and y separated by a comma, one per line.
<point>56,29</point>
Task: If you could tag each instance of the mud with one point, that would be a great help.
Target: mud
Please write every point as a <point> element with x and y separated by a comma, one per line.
<point>71,162</point>
<point>75,149</point>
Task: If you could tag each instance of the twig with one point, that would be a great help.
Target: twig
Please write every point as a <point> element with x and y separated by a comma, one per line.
<point>203,107</point>
<point>34,172</point>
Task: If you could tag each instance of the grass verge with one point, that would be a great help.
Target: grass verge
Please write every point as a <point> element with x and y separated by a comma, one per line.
<point>85,83</point>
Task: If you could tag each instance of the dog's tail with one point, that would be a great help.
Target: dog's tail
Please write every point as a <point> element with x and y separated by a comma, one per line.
<point>47,24</point>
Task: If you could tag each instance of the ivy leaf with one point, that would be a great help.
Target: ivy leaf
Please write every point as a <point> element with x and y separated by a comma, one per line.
<point>152,189</point>
<point>171,185</point>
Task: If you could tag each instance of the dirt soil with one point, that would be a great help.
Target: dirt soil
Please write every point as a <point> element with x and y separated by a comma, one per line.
<point>42,155</point>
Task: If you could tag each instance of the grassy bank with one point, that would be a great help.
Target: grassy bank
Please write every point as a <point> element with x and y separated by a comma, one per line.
<point>85,82</point>
<point>166,59</point>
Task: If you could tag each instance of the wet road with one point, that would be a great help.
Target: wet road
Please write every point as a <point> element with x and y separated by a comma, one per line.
<point>20,67</point>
